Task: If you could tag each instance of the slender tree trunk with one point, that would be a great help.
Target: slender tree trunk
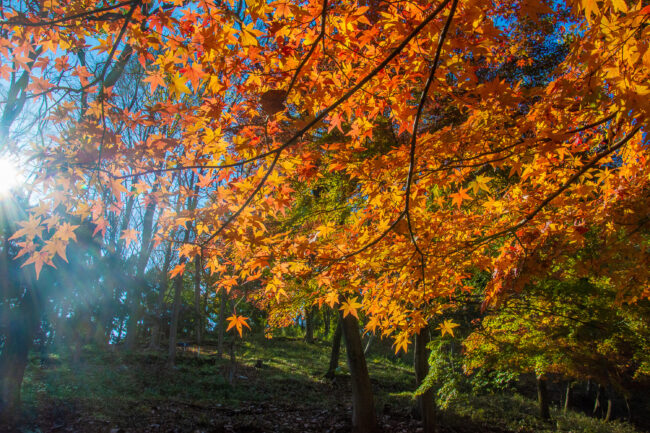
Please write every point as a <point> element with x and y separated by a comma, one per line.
<point>13,360</point>
<point>173,329</point>
<point>326,321</point>
<point>567,397</point>
<point>542,398</point>
<point>178,287</point>
<point>154,343</point>
<point>599,409</point>
<point>629,409</point>
<point>309,324</point>
<point>198,268</point>
<point>336,351</point>
<point>368,343</point>
<point>221,326</point>
<point>426,402</point>
<point>178,283</point>
<point>135,292</point>
<point>363,408</point>
<point>597,402</point>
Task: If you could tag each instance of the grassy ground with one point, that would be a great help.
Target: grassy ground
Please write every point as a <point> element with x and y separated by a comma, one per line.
<point>117,392</point>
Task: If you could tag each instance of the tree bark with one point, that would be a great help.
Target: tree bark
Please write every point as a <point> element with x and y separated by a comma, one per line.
<point>154,343</point>
<point>363,408</point>
<point>326,321</point>
<point>542,398</point>
<point>198,268</point>
<point>567,397</point>
<point>336,351</point>
<point>178,283</point>
<point>135,292</point>
<point>309,324</point>
<point>221,326</point>
<point>173,329</point>
<point>426,402</point>
<point>13,361</point>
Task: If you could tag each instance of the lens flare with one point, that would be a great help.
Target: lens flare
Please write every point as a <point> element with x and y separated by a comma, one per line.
<point>10,176</point>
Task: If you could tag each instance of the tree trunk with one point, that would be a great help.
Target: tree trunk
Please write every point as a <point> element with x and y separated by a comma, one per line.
<point>173,329</point>
<point>326,321</point>
<point>154,343</point>
<point>309,324</point>
<point>178,282</point>
<point>363,408</point>
<point>542,398</point>
<point>135,292</point>
<point>597,403</point>
<point>13,360</point>
<point>368,343</point>
<point>336,351</point>
<point>221,326</point>
<point>426,402</point>
<point>198,268</point>
<point>567,397</point>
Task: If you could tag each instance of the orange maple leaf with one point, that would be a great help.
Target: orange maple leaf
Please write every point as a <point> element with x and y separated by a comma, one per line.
<point>237,322</point>
<point>178,270</point>
<point>457,198</point>
<point>129,235</point>
<point>155,80</point>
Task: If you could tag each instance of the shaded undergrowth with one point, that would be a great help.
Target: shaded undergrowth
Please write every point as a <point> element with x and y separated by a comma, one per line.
<point>273,385</point>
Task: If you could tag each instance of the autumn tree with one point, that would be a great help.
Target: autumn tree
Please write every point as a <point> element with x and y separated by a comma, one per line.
<point>489,165</point>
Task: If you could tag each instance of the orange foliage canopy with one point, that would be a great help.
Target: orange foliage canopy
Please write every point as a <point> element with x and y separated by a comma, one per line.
<point>453,154</point>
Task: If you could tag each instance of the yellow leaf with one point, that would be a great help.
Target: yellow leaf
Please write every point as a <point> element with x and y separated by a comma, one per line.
<point>447,327</point>
<point>350,307</point>
<point>619,5</point>
<point>180,84</point>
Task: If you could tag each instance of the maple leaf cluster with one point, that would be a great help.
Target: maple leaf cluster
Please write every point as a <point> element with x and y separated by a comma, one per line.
<point>362,155</point>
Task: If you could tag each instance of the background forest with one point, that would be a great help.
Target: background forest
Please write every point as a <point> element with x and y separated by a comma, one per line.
<point>324,215</point>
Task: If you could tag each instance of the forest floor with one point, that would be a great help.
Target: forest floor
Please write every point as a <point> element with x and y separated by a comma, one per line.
<point>114,392</point>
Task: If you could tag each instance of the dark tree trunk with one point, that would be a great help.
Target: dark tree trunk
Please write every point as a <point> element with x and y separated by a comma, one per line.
<point>309,324</point>
<point>154,343</point>
<point>173,329</point>
<point>336,351</point>
<point>542,398</point>
<point>178,284</point>
<point>426,402</point>
<point>221,326</point>
<point>326,321</point>
<point>198,268</point>
<point>363,408</point>
<point>598,406</point>
<point>137,285</point>
<point>22,327</point>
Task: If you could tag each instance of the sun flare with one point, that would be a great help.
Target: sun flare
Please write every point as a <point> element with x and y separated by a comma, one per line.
<point>10,175</point>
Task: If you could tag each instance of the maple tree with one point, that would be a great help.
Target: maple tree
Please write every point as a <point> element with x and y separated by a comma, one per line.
<point>460,135</point>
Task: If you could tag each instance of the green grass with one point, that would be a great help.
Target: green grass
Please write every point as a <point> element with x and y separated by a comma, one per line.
<point>113,388</point>
<point>519,414</point>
